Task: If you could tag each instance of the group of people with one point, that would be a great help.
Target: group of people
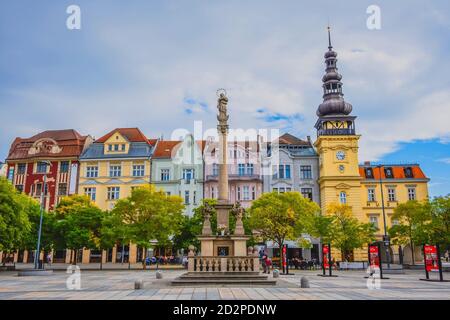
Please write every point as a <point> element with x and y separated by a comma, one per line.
<point>162,260</point>
<point>303,264</point>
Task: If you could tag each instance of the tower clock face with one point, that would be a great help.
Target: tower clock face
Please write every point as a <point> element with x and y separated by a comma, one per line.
<point>340,155</point>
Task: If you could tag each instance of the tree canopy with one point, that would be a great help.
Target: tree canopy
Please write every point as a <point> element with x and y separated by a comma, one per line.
<point>282,216</point>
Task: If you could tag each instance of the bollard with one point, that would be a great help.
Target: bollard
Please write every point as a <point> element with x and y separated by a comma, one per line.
<point>276,273</point>
<point>138,284</point>
<point>304,282</point>
<point>159,275</point>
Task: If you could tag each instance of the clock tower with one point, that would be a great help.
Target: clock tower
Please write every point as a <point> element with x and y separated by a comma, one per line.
<point>337,142</point>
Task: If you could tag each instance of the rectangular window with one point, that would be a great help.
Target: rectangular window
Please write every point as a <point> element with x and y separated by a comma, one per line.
<point>123,147</point>
<point>411,193</point>
<point>116,147</point>
<point>90,192</point>
<point>388,172</point>
<point>115,171</point>
<point>64,166</point>
<point>288,189</point>
<point>391,195</point>
<point>288,171</point>
<point>253,193</point>
<point>374,221</point>
<point>281,172</point>
<point>19,187</point>
<point>306,172</point>
<point>275,189</point>
<point>369,173</point>
<point>62,189</point>
<point>91,172</point>
<point>307,193</point>
<point>168,193</point>
<point>38,190</point>
<point>213,193</point>
<point>113,193</point>
<point>250,168</point>
<point>371,194</point>
<point>138,170</point>
<point>110,147</point>
<point>343,197</point>
<point>241,169</point>
<point>215,169</point>
<point>194,197</point>
<point>41,167</point>
<point>246,193</point>
<point>394,222</point>
<point>281,190</point>
<point>186,197</point>
<point>239,193</point>
<point>21,167</point>
<point>188,174</point>
<point>165,174</point>
<point>408,172</point>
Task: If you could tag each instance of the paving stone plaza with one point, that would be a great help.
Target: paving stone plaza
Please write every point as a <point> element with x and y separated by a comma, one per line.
<point>119,285</point>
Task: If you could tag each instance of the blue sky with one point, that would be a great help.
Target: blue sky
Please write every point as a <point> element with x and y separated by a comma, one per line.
<point>157,65</point>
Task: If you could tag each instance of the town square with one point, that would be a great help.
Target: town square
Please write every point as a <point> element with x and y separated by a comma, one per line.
<point>200,153</point>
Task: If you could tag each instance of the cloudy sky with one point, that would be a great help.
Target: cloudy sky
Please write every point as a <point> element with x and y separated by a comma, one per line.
<point>157,65</point>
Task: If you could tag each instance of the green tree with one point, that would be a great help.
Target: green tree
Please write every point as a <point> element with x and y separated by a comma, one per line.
<point>78,223</point>
<point>282,216</point>
<point>347,232</point>
<point>148,214</point>
<point>322,227</point>
<point>413,226</point>
<point>14,222</point>
<point>440,220</point>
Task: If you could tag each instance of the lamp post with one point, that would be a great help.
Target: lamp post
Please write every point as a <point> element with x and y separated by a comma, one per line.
<point>43,198</point>
<point>386,240</point>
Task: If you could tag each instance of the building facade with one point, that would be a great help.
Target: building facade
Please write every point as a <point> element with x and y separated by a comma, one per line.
<point>109,170</point>
<point>52,156</point>
<point>244,171</point>
<point>341,179</point>
<point>177,168</point>
<point>292,164</point>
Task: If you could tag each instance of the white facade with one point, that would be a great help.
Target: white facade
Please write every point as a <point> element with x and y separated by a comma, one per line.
<point>181,173</point>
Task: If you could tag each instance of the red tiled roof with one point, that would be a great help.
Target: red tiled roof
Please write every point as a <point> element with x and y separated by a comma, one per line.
<point>398,171</point>
<point>152,142</point>
<point>164,148</point>
<point>70,142</point>
<point>290,139</point>
<point>131,134</point>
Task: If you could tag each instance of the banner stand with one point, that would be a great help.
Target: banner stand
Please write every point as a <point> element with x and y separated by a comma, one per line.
<point>374,257</point>
<point>284,261</point>
<point>432,261</point>
<point>326,261</point>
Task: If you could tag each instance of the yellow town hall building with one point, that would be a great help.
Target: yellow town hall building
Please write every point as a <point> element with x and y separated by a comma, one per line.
<point>341,178</point>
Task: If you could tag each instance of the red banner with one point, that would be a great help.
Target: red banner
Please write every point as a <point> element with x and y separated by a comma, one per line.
<point>325,251</point>
<point>431,258</point>
<point>284,255</point>
<point>374,256</point>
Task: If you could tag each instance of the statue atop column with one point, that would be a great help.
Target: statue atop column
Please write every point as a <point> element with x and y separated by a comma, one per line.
<point>223,116</point>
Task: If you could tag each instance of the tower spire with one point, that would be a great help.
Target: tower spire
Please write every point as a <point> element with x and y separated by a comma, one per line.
<point>330,47</point>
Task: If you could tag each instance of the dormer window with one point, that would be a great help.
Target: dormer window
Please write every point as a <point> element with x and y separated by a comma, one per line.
<point>388,173</point>
<point>116,147</point>
<point>408,172</point>
<point>369,173</point>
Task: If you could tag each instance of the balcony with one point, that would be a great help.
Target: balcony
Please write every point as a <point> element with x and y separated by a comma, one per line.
<point>236,177</point>
<point>335,132</point>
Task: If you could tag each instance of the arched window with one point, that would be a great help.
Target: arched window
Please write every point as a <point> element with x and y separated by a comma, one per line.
<point>343,197</point>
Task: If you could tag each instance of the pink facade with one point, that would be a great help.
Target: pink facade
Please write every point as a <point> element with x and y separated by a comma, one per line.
<point>244,172</point>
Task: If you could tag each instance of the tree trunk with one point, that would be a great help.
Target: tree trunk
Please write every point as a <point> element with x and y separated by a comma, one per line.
<point>412,252</point>
<point>75,257</point>
<point>101,259</point>
<point>144,262</point>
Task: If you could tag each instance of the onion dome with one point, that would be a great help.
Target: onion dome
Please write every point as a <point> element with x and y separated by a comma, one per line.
<point>333,98</point>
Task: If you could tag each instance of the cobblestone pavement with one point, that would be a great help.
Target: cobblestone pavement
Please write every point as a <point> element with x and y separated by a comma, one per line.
<point>119,285</point>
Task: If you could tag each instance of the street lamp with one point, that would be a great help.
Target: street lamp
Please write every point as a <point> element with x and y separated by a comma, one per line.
<point>43,197</point>
<point>386,240</point>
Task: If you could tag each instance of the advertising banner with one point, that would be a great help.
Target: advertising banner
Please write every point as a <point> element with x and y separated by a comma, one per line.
<point>374,256</point>
<point>325,254</point>
<point>431,257</point>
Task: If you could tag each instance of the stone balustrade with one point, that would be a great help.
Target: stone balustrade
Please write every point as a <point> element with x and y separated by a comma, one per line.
<point>223,264</point>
